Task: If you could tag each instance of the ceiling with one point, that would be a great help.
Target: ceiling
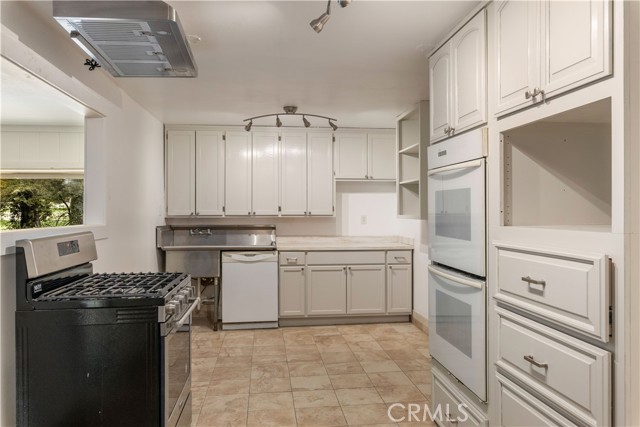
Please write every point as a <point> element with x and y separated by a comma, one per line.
<point>27,100</point>
<point>367,66</point>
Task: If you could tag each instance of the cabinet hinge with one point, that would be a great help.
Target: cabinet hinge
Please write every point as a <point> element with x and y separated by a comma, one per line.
<point>279,208</point>
<point>333,138</point>
<point>224,136</point>
<point>279,138</point>
<point>333,208</point>
<point>223,209</point>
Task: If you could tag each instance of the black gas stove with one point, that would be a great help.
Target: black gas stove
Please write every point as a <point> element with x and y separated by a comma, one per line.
<point>99,349</point>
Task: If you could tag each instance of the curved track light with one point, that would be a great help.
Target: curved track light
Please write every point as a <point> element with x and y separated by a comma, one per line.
<point>290,110</point>
<point>318,23</point>
<point>344,3</point>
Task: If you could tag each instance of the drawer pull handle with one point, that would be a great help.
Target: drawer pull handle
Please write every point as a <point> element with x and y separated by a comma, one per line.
<point>400,258</point>
<point>292,259</point>
<point>531,281</point>
<point>534,362</point>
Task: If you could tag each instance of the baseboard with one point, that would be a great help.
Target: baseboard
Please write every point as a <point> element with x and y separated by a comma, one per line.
<point>420,321</point>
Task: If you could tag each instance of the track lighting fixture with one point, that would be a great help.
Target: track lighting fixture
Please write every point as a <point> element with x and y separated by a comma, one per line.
<point>318,23</point>
<point>290,110</point>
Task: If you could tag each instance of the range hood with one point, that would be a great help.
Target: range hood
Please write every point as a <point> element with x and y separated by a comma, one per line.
<point>129,38</point>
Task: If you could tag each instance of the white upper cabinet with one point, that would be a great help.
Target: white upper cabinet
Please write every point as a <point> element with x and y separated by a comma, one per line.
<point>209,173</point>
<point>238,173</point>
<point>457,81</point>
<point>382,148</point>
<point>306,186</point>
<point>367,155</point>
<point>577,45</point>
<point>181,146</point>
<point>265,173</point>
<point>545,48</point>
<point>518,62</point>
<point>440,89</point>
<point>320,185</point>
<point>469,88</point>
<point>351,156</point>
<point>293,173</point>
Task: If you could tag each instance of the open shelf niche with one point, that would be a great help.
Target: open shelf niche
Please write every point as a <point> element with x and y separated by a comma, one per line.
<point>557,171</point>
<point>412,140</point>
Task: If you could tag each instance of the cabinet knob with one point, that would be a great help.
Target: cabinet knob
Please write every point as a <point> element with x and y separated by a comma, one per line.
<point>447,129</point>
<point>528,94</point>
<point>452,130</point>
<point>248,213</point>
<point>254,213</point>
<point>366,177</point>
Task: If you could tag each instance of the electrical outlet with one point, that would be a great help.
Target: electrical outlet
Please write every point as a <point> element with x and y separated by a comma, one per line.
<point>363,219</point>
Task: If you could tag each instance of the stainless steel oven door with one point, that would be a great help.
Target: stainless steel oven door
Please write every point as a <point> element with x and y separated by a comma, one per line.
<point>177,371</point>
<point>456,213</point>
<point>457,326</point>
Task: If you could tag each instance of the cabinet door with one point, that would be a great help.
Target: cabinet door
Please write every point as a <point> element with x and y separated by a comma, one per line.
<point>238,173</point>
<point>326,290</point>
<point>293,173</point>
<point>468,58</point>
<point>382,156</point>
<point>399,288</point>
<point>365,289</point>
<point>209,173</point>
<point>440,89</point>
<point>265,173</point>
<point>577,45</point>
<point>351,156</point>
<point>180,172</point>
<point>291,293</point>
<point>517,27</point>
<point>320,184</point>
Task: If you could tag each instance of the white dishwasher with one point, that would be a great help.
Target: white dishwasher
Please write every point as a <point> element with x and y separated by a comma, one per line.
<point>249,290</point>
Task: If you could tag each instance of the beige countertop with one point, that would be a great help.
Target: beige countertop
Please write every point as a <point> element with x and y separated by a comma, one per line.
<point>343,243</point>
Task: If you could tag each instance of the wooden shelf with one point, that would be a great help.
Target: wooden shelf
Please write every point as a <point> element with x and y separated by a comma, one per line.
<point>412,149</point>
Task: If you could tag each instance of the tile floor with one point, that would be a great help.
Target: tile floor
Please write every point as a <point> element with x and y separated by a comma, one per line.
<point>308,376</point>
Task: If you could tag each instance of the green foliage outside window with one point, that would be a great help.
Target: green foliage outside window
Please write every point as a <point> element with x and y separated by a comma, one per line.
<point>36,203</point>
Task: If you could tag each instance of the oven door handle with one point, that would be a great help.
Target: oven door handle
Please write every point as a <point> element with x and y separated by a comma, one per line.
<point>460,280</point>
<point>184,318</point>
<point>465,165</point>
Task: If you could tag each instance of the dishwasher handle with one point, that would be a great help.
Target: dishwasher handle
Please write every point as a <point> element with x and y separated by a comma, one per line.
<point>247,256</point>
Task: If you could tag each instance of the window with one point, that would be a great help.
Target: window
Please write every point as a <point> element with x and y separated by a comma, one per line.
<point>41,153</point>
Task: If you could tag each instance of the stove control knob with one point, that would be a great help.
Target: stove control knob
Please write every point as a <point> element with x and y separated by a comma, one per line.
<point>186,293</point>
<point>170,309</point>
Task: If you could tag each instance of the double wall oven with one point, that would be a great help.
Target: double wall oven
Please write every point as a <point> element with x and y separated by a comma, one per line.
<point>457,249</point>
<point>99,349</point>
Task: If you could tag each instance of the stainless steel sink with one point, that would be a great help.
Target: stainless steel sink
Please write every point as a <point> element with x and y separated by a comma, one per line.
<point>196,250</point>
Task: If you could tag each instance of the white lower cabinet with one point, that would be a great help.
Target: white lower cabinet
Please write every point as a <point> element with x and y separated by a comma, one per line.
<point>345,283</point>
<point>326,290</point>
<point>365,289</point>
<point>291,291</point>
<point>518,408</point>
<point>570,374</point>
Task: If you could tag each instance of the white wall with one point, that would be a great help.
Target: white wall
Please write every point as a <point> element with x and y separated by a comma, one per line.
<point>124,180</point>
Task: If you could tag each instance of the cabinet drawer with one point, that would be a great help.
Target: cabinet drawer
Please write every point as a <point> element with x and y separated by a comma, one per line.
<point>399,257</point>
<point>292,258</point>
<point>457,411</point>
<point>517,408</point>
<point>571,290</point>
<point>572,374</point>
<point>345,257</point>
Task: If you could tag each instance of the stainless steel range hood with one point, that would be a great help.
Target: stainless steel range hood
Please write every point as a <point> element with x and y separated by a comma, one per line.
<point>129,38</point>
